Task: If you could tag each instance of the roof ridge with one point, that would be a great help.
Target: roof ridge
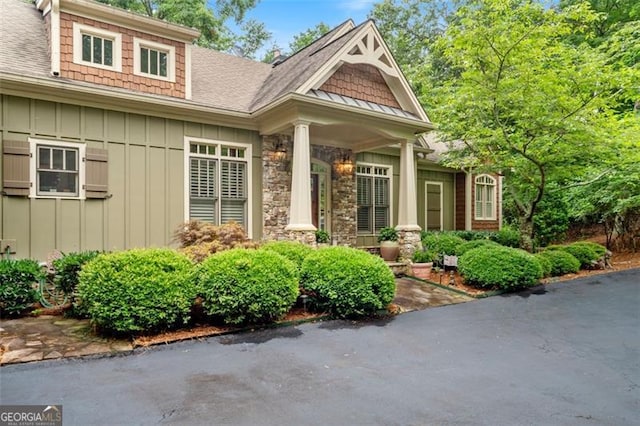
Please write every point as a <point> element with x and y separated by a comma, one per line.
<point>316,41</point>
<point>356,28</point>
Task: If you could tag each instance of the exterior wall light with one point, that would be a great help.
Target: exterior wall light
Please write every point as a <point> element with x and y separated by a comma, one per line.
<point>279,151</point>
<point>344,166</point>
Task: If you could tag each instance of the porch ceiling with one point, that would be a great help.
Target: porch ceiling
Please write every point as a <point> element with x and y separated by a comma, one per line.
<point>340,125</point>
<point>355,137</point>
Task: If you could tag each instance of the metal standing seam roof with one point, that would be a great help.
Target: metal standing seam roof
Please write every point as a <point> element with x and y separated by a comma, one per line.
<point>321,94</point>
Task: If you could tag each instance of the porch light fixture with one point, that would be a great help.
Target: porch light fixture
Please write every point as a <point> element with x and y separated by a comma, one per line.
<point>344,166</point>
<point>279,151</point>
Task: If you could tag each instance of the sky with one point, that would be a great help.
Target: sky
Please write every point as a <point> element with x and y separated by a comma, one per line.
<point>286,18</point>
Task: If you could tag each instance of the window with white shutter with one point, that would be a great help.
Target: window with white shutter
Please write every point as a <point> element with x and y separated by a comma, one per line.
<point>373,198</point>
<point>218,182</point>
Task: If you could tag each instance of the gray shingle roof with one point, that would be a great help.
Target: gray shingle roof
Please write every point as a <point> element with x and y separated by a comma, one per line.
<point>23,40</point>
<point>218,80</point>
<point>289,75</point>
<point>225,81</point>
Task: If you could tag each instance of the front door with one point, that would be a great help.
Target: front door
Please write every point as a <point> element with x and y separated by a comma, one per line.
<point>433,206</point>
<point>320,195</point>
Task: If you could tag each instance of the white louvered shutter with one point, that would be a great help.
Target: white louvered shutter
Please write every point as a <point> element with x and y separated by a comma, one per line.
<point>202,189</point>
<point>233,195</point>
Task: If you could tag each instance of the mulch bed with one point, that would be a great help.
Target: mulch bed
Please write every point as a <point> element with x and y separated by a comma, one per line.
<point>296,315</point>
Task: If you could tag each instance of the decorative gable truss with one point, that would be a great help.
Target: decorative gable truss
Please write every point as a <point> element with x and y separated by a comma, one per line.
<point>368,61</point>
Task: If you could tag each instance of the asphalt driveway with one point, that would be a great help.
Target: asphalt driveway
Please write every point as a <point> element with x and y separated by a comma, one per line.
<point>570,356</point>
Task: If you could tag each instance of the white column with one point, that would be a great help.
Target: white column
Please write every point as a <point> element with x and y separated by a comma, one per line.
<point>468,200</point>
<point>408,206</point>
<point>300,208</point>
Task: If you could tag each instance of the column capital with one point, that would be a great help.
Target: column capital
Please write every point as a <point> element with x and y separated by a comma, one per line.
<point>301,123</point>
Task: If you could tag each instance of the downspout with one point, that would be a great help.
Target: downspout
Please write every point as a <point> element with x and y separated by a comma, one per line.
<point>55,37</point>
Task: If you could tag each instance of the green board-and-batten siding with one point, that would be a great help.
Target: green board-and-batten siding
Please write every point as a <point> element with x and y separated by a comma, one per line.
<point>423,175</point>
<point>146,178</point>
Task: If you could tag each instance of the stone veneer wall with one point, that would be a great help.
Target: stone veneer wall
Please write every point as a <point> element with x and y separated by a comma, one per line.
<point>277,194</point>
<point>344,208</point>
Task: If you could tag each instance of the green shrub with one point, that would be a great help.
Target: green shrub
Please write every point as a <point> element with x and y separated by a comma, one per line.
<point>247,286</point>
<point>322,237</point>
<point>17,279</point>
<point>470,245</point>
<point>502,267</point>
<point>67,268</point>
<point>508,236</point>
<point>545,263</point>
<point>561,261</point>
<point>599,249</point>
<point>347,282</point>
<point>388,234</point>
<point>439,243</point>
<point>137,290</point>
<point>422,256</point>
<point>292,250</point>
<point>584,253</point>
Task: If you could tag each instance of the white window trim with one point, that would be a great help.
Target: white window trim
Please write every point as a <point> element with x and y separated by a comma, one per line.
<point>79,29</point>
<point>171,65</point>
<point>426,204</point>
<point>248,157</point>
<point>475,198</point>
<point>391,204</point>
<point>33,167</point>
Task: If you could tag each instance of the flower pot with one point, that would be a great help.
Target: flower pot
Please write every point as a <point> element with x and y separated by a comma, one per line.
<point>389,250</point>
<point>422,270</point>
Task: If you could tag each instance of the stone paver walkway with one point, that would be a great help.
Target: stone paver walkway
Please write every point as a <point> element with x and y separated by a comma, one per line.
<point>413,295</point>
<point>49,337</point>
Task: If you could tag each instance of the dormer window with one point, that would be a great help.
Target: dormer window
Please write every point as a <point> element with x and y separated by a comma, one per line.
<point>154,60</point>
<point>96,47</point>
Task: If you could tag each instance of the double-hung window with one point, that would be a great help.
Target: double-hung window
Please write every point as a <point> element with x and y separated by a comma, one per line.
<point>373,198</point>
<point>154,60</point>
<point>485,189</point>
<point>218,176</point>
<point>96,47</point>
<point>57,171</point>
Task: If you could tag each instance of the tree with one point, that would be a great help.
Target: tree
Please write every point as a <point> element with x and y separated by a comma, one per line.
<point>410,28</point>
<point>305,38</point>
<point>526,103</point>
<point>212,22</point>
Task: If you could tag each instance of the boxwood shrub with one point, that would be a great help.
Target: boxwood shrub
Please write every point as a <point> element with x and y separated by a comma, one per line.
<point>502,267</point>
<point>137,290</point>
<point>292,250</point>
<point>347,282</point>
<point>545,263</point>
<point>439,243</point>
<point>584,251</point>
<point>470,245</point>
<point>562,262</point>
<point>68,267</point>
<point>247,286</point>
<point>17,280</point>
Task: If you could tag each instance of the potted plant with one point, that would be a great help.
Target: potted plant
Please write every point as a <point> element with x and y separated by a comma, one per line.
<point>389,247</point>
<point>322,237</point>
<point>422,264</point>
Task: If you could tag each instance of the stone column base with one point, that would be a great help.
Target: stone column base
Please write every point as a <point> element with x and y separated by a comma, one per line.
<point>409,242</point>
<point>305,237</point>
